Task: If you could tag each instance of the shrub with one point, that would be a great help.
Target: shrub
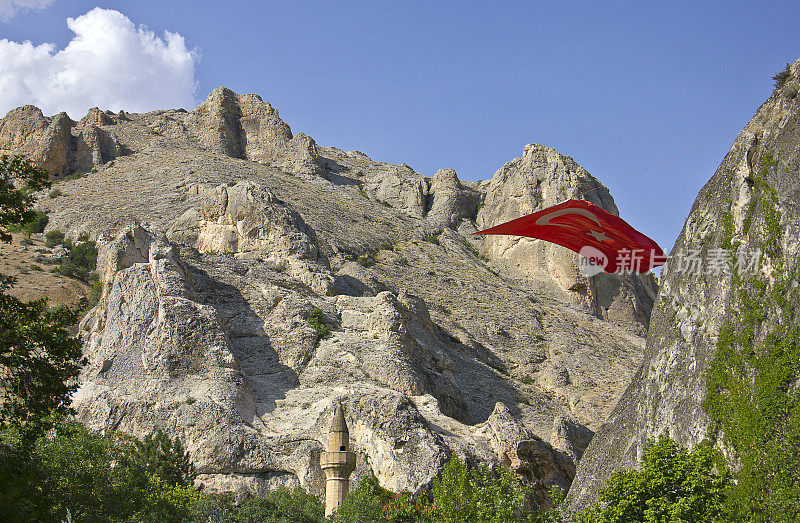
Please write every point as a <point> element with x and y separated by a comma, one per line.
<point>96,477</point>
<point>387,247</point>
<point>365,503</point>
<point>19,181</point>
<point>53,238</point>
<point>432,239</point>
<point>55,193</point>
<point>782,77</point>
<point>80,262</point>
<point>316,319</point>
<point>366,260</point>
<point>36,223</point>
<point>279,505</point>
<point>477,494</point>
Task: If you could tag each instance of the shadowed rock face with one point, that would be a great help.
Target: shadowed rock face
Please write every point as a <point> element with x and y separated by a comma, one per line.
<point>220,231</point>
<point>669,387</point>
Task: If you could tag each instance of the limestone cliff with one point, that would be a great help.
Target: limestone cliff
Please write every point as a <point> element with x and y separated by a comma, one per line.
<point>667,392</point>
<point>221,232</point>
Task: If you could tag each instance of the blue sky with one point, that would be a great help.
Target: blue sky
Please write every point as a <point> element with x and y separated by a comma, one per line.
<point>618,86</point>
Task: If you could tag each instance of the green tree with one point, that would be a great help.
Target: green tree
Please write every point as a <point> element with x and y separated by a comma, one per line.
<point>95,477</point>
<point>19,179</point>
<point>365,503</point>
<point>165,458</point>
<point>38,357</point>
<point>478,494</point>
<point>782,77</point>
<point>81,261</point>
<point>673,485</point>
<point>278,506</point>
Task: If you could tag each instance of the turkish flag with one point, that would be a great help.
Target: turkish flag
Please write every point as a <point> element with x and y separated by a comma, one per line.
<point>607,241</point>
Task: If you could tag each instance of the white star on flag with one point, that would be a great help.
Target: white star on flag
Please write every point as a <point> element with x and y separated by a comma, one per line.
<point>598,235</point>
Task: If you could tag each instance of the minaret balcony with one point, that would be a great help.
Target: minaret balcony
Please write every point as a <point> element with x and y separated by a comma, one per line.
<point>343,459</point>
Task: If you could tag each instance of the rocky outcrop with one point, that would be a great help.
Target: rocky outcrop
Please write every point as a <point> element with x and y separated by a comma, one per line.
<point>541,178</point>
<point>57,143</point>
<point>220,237</point>
<point>247,219</point>
<point>667,392</point>
<point>233,368</point>
<point>400,187</point>
<point>244,126</point>
<point>451,201</point>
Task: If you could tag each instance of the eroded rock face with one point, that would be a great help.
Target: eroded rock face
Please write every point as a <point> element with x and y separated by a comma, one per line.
<point>451,201</point>
<point>541,178</point>
<point>247,219</point>
<point>244,126</point>
<point>233,368</point>
<point>57,143</point>
<point>668,390</point>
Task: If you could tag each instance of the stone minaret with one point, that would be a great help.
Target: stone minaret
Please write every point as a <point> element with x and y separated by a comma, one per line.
<point>338,462</point>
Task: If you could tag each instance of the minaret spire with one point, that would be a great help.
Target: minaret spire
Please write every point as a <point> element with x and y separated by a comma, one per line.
<point>338,462</point>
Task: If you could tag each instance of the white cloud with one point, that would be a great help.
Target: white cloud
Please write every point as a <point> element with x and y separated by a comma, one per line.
<point>8,8</point>
<point>109,63</point>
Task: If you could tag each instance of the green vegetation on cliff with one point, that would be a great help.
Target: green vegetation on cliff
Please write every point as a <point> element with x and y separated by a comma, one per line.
<point>753,390</point>
<point>673,485</point>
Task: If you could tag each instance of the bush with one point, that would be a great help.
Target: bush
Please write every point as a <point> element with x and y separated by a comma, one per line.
<point>782,77</point>
<point>35,224</point>
<point>673,485</point>
<point>55,193</point>
<point>387,247</point>
<point>477,494</point>
<point>19,181</point>
<point>366,503</point>
<point>316,319</point>
<point>432,239</point>
<point>366,260</point>
<point>459,494</point>
<point>53,238</point>
<point>80,262</point>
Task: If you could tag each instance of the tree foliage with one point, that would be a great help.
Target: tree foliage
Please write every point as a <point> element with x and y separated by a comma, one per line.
<point>673,485</point>
<point>278,506</point>
<point>782,77</point>
<point>477,494</point>
<point>81,261</point>
<point>38,357</point>
<point>459,494</point>
<point>19,179</point>
<point>94,476</point>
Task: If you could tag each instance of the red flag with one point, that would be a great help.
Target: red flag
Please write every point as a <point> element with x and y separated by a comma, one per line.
<point>606,240</point>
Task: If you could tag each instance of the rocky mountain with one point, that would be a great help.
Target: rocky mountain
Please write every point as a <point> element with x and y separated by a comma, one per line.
<point>750,205</point>
<point>250,277</point>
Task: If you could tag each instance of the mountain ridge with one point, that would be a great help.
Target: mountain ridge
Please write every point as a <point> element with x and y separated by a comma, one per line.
<point>219,231</point>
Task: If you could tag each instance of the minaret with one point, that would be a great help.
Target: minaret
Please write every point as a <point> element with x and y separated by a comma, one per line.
<point>338,462</point>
